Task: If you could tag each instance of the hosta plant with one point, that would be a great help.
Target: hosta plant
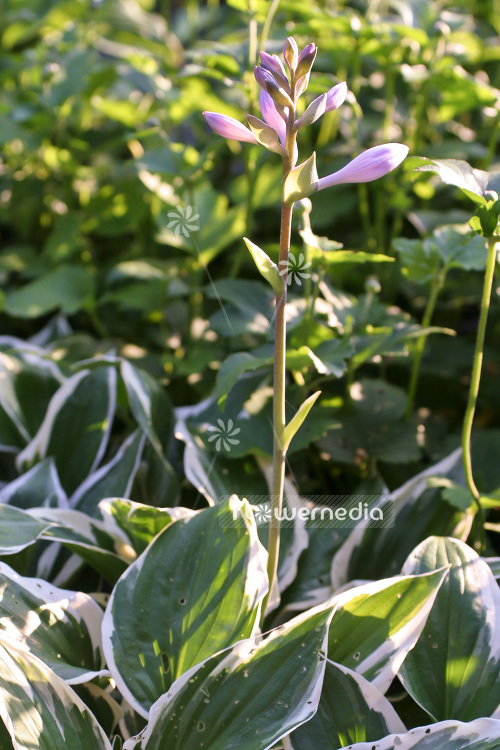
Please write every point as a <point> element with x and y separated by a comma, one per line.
<point>203,627</point>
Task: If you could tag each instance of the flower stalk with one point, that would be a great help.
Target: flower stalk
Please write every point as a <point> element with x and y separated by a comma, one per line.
<point>281,86</point>
<point>279,423</point>
<point>475,381</point>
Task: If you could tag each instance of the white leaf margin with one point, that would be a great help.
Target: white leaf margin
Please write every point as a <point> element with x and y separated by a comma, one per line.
<point>38,445</point>
<point>59,602</point>
<point>396,647</point>
<point>235,656</point>
<point>59,691</point>
<point>257,570</point>
<point>96,476</point>
<point>460,734</point>
<point>12,487</point>
<point>403,496</point>
<point>375,700</point>
<point>479,574</point>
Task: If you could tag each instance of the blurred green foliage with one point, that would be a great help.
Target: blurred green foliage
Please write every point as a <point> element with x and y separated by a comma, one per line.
<point>105,158</point>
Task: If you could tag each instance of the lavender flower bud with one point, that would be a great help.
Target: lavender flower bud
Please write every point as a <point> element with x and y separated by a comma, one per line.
<point>370,165</point>
<point>291,53</point>
<point>306,60</point>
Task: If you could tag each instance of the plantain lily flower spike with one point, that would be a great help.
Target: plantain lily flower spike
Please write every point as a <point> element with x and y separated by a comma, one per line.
<point>280,90</point>
<point>370,165</point>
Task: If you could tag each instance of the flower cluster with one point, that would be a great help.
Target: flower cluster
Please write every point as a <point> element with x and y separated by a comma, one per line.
<point>281,86</point>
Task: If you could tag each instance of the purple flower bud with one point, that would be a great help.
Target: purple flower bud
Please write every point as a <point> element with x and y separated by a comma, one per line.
<point>291,53</point>
<point>271,116</point>
<point>302,85</point>
<point>273,64</point>
<point>308,49</point>
<point>264,77</point>
<point>313,112</point>
<point>306,60</point>
<point>229,128</point>
<point>335,96</point>
<point>370,165</point>
<point>268,83</point>
<point>280,65</point>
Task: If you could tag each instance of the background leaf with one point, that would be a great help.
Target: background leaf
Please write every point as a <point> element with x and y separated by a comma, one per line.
<point>454,670</point>
<point>159,623</point>
<point>350,710</point>
<point>264,709</point>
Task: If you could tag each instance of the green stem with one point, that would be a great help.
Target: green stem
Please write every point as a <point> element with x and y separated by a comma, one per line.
<point>476,379</point>
<point>437,285</point>
<point>279,453</point>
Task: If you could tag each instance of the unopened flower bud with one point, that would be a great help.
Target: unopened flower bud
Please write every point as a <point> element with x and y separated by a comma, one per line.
<point>267,81</point>
<point>273,65</point>
<point>302,85</point>
<point>291,53</point>
<point>306,60</point>
<point>268,62</point>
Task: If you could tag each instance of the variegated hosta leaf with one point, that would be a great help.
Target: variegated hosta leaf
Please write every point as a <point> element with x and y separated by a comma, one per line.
<point>376,625</point>
<point>110,542</point>
<point>115,479</point>
<point>150,406</point>
<point>28,383</point>
<point>244,698</point>
<point>481,734</point>
<point>195,590</point>
<point>76,427</point>
<point>311,586</point>
<point>40,711</point>
<point>97,696</point>
<point>135,524</point>
<point>350,709</point>
<point>18,529</point>
<point>374,553</point>
<point>454,670</point>
<point>5,738</point>
<point>88,538</point>
<point>213,477</point>
<point>38,486</point>
<point>63,628</point>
